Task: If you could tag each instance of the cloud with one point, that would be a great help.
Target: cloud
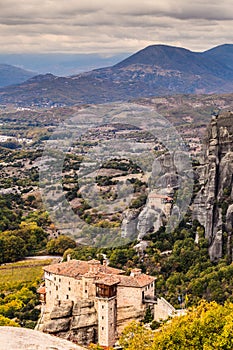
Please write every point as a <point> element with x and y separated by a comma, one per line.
<point>103,26</point>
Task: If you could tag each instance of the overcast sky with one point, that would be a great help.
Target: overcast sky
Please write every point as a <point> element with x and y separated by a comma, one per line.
<point>112,26</point>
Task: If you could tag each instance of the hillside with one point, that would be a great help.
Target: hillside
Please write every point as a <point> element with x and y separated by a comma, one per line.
<point>222,54</point>
<point>154,71</point>
<point>10,75</point>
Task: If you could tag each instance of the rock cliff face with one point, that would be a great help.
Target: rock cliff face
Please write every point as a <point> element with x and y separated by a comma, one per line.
<point>28,339</point>
<point>74,322</point>
<point>156,213</point>
<point>213,205</point>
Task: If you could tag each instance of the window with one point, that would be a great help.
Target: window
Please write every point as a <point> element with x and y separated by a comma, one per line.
<point>54,278</point>
<point>56,287</point>
<point>102,306</point>
<point>102,328</point>
<point>85,291</point>
<point>59,280</point>
<point>102,317</point>
<point>69,289</point>
<point>67,297</point>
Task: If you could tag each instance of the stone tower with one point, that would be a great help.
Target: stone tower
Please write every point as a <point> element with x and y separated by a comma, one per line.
<point>106,293</point>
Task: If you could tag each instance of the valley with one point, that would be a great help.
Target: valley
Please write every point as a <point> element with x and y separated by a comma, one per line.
<point>130,166</point>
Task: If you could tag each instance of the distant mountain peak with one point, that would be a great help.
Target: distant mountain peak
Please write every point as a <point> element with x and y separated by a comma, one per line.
<point>12,75</point>
<point>155,55</point>
<point>156,70</point>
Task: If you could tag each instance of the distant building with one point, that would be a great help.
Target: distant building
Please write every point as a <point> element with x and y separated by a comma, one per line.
<point>116,298</point>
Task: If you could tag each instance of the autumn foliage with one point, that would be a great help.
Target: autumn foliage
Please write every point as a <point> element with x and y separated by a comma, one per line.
<point>209,326</point>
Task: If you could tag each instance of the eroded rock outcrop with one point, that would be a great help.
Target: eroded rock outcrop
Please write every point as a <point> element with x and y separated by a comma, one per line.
<point>149,219</point>
<point>75,322</point>
<point>129,223</point>
<point>213,204</point>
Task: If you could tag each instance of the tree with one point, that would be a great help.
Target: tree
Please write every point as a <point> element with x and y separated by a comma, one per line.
<point>208,326</point>
<point>205,327</point>
<point>148,316</point>
<point>60,245</point>
<point>14,248</point>
<point>135,337</point>
<point>4,321</point>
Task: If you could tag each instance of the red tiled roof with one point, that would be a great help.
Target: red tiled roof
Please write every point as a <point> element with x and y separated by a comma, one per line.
<point>138,281</point>
<point>103,274</point>
<point>41,290</point>
<point>108,280</point>
<point>78,268</point>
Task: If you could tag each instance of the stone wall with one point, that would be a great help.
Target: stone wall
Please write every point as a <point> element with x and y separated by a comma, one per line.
<point>163,310</point>
<point>70,288</point>
<point>107,321</point>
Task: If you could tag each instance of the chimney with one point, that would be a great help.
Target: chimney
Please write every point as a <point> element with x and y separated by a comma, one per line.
<point>135,272</point>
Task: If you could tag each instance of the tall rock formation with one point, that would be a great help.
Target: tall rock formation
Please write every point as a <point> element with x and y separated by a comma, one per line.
<point>213,205</point>
<point>74,322</point>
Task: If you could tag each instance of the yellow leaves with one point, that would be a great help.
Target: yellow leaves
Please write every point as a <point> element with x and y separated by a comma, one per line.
<point>204,327</point>
<point>209,326</point>
<point>4,321</point>
<point>136,337</point>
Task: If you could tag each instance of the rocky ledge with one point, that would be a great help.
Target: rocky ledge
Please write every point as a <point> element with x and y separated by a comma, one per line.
<point>28,339</point>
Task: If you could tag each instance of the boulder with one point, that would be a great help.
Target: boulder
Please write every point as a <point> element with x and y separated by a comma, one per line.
<point>64,309</point>
<point>57,325</point>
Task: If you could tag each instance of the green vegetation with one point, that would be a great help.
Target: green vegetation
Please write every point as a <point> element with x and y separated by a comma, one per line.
<point>18,297</point>
<point>60,245</point>
<point>208,326</point>
<point>26,240</point>
<point>185,274</point>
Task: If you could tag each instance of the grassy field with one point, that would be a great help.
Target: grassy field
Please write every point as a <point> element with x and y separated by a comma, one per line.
<point>14,274</point>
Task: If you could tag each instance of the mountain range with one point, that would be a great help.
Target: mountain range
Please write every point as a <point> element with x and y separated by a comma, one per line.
<point>10,75</point>
<point>154,71</point>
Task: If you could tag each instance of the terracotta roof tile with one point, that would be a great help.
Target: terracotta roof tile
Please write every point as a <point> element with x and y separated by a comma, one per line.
<point>41,290</point>
<point>109,280</point>
<point>103,274</point>
<point>78,268</point>
<point>136,281</point>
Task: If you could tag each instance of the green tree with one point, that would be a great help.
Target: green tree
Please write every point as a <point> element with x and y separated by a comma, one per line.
<point>60,245</point>
<point>204,327</point>
<point>148,316</point>
<point>135,337</point>
<point>208,326</point>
